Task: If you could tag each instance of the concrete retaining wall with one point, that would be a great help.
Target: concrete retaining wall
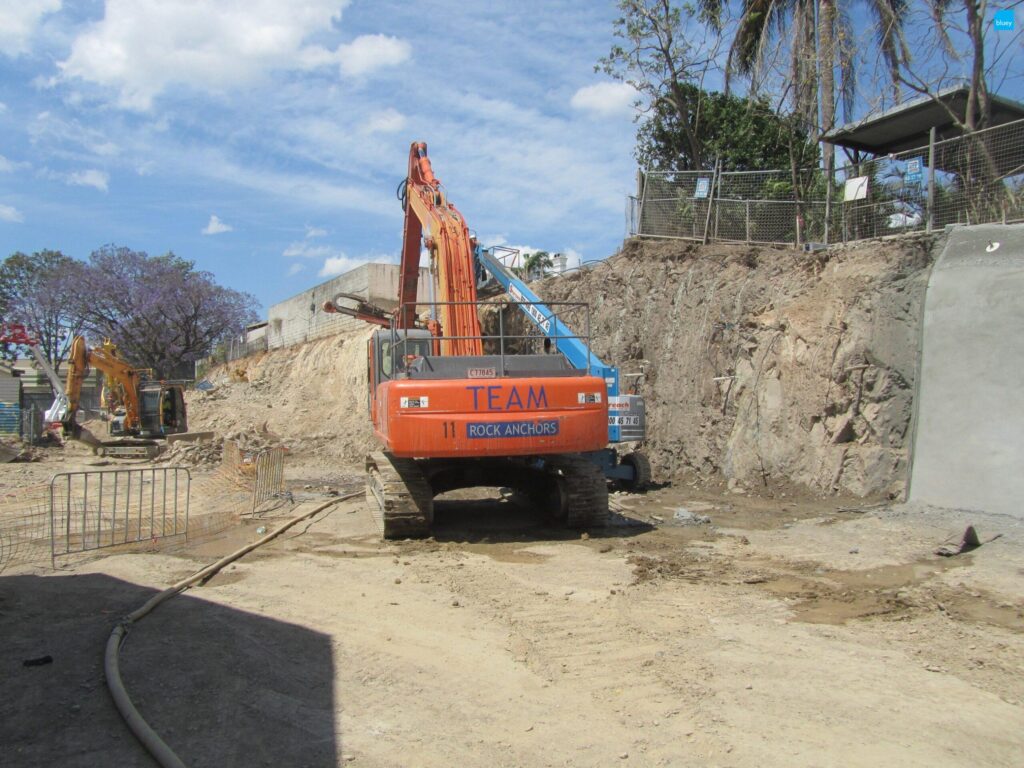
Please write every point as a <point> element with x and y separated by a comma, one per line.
<point>969,435</point>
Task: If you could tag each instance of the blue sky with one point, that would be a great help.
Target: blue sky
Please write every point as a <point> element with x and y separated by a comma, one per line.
<point>264,139</point>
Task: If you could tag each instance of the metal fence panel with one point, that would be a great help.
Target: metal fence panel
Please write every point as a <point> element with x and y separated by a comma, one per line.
<point>105,508</point>
<point>269,482</point>
<point>972,179</point>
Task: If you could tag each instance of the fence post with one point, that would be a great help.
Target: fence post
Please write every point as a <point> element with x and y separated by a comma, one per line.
<point>642,186</point>
<point>747,206</point>
<point>715,179</point>
<point>931,179</point>
<point>829,179</point>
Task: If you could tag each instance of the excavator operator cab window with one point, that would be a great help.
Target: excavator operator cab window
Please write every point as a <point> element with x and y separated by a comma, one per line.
<point>392,357</point>
<point>168,409</point>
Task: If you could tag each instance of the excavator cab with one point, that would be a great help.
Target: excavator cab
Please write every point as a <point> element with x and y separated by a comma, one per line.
<point>162,410</point>
<point>394,350</point>
<point>389,352</point>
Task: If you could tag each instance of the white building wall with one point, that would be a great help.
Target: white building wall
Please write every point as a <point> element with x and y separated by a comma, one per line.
<point>302,318</point>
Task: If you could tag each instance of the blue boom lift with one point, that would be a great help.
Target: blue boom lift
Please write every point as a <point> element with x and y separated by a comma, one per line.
<point>626,412</point>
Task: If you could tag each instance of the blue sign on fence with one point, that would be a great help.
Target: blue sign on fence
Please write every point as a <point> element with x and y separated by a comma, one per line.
<point>703,187</point>
<point>913,173</point>
<point>1004,21</point>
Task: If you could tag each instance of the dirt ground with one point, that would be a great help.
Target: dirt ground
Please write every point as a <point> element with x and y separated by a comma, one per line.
<point>790,631</point>
<point>741,614</point>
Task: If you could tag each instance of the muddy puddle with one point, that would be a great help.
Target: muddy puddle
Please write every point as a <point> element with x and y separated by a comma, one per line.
<point>838,596</point>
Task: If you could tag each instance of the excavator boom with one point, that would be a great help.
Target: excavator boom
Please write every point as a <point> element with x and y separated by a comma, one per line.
<point>431,218</point>
<point>117,371</point>
<point>151,409</point>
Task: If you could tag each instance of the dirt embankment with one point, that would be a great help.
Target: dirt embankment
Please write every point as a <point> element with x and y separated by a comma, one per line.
<point>767,366</point>
<point>312,396</point>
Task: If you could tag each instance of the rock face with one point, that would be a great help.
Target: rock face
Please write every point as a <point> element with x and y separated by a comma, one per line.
<point>766,365</point>
<point>763,366</point>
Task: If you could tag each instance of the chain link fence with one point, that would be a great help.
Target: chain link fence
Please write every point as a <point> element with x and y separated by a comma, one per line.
<point>972,179</point>
<point>235,349</point>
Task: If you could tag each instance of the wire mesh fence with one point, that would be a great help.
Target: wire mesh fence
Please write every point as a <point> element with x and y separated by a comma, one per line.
<point>973,179</point>
<point>25,525</point>
<point>237,348</point>
<point>79,512</point>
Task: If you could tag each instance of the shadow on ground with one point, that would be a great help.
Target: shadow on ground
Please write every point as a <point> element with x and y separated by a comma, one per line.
<point>502,520</point>
<point>222,687</point>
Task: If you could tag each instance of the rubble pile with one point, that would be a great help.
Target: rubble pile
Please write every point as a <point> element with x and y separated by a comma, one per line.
<point>310,399</point>
<point>209,453</point>
<point>206,454</point>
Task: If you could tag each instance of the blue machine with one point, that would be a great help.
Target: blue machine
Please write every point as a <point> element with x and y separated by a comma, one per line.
<point>626,413</point>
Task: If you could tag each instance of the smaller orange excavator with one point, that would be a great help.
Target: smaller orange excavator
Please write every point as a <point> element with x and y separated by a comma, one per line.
<point>143,411</point>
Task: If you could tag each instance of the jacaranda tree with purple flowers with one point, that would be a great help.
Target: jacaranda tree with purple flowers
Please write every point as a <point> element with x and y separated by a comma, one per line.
<point>159,310</point>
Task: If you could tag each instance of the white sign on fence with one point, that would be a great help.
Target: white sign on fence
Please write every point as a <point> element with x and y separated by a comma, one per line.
<point>856,189</point>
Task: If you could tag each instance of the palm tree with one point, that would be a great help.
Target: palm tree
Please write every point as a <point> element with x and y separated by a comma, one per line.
<point>820,40</point>
<point>537,264</point>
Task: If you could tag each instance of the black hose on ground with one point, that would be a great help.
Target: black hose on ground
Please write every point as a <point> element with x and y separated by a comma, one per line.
<point>149,738</point>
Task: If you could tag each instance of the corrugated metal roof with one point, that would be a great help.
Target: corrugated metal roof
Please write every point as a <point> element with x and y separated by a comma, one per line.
<point>906,126</point>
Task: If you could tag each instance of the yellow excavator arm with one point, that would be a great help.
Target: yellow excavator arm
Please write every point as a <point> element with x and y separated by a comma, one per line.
<point>119,373</point>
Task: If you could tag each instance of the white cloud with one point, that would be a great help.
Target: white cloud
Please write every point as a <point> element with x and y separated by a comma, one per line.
<point>216,226</point>
<point>18,23</point>
<point>309,251</point>
<point>339,265</point>
<point>388,121</point>
<point>368,53</point>
<point>334,260</point>
<point>295,268</point>
<point>90,178</point>
<point>142,47</point>
<point>104,148</point>
<point>312,232</point>
<point>3,107</point>
<point>573,258</point>
<point>6,166</point>
<point>11,214</point>
<point>605,99</point>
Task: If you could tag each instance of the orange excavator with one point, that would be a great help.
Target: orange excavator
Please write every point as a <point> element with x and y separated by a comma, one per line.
<point>146,410</point>
<point>455,408</point>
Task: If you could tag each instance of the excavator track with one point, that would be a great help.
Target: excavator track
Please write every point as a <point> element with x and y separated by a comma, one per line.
<point>584,491</point>
<point>399,496</point>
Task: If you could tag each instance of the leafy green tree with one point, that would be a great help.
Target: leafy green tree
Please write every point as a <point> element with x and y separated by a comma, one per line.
<point>820,40</point>
<point>745,134</point>
<point>655,54</point>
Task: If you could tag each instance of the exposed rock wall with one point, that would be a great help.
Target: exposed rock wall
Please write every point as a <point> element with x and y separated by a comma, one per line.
<point>767,365</point>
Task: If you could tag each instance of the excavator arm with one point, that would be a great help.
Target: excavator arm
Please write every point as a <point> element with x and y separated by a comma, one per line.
<point>430,218</point>
<point>117,371</point>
